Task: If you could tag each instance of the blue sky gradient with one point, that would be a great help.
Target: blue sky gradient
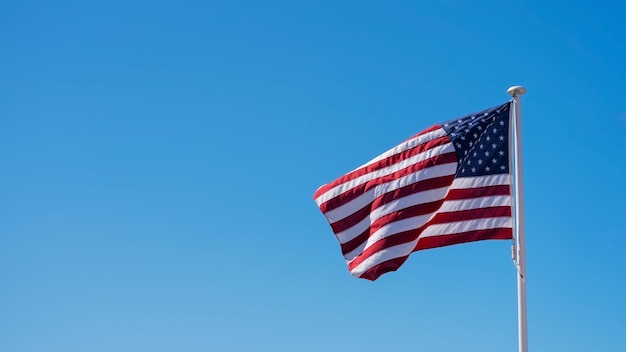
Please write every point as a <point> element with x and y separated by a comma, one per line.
<point>159,161</point>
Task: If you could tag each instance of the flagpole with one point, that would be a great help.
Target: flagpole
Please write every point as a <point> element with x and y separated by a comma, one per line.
<point>519,251</point>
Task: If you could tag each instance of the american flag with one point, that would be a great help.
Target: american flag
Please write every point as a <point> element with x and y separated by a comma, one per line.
<point>446,185</point>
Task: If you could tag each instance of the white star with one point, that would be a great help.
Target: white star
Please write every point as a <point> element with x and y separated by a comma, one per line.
<point>486,114</point>
<point>475,154</point>
<point>469,162</point>
<point>473,117</point>
<point>466,152</point>
<point>494,160</point>
<point>475,135</point>
<point>501,138</point>
<point>458,145</point>
<point>480,128</point>
<point>493,146</point>
<point>459,121</point>
<point>501,123</point>
<point>502,167</point>
<point>487,169</point>
<point>486,153</point>
<point>446,124</point>
<point>453,134</point>
<point>473,169</point>
<point>480,161</point>
<point>462,138</point>
<point>495,130</point>
<point>481,146</point>
<point>470,144</point>
<point>501,153</point>
<point>488,138</point>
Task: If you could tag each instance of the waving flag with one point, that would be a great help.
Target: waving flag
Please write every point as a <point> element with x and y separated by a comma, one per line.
<point>448,184</point>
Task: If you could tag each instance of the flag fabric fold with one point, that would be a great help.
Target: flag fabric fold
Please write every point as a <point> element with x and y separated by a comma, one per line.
<point>446,185</point>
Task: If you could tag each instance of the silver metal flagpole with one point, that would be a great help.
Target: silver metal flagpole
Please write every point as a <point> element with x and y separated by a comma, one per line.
<point>519,251</point>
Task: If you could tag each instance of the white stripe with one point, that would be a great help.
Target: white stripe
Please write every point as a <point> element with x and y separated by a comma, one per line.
<point>401,203</point>
<point>475,203</point>
<point>451,228</point>
<point>397,205</point>
<point>395,228</point>
<point>354,253</point>
<point>389,230</point>
<point>448,206</point>
<point>344,187</point>
<point>359,202</point>
<point>409,201</point>
<point>481,181</point>
<point>458,227</point>
<point>356,204</point>
<point>354,231</point>
<point>384,255</point>
<point>406,145</point>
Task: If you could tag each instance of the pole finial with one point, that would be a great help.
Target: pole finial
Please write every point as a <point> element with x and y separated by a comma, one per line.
<point>516,90</point>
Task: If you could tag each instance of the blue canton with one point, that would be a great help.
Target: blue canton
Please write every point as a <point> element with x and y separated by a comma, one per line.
<point>481,142</point>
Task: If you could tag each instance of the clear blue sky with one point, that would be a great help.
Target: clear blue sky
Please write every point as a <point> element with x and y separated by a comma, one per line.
<point>159,160</point>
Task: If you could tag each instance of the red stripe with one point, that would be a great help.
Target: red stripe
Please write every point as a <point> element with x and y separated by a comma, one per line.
<point>472,236</point>
<point>467,193</point>
<point>376,271</point>
<point>426,185</point>
<point>426,208</point>
<point>387,242</point>
<point>428,130</point>
<point>355,242</point>
<point>427,243</point>
<point>405,213</point>
<point>411,235</point>
<point>353,218</point>
<point>358,190</point>
<point>356,217</point>
<point>471,214</point>
<point>383,163</point>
